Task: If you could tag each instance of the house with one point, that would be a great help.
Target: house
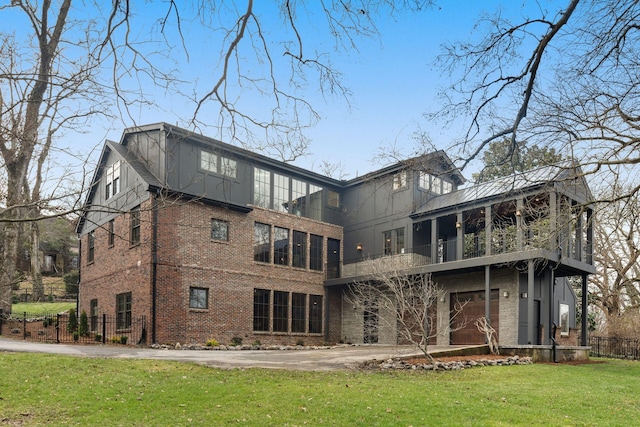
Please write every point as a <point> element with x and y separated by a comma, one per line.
<point>207,240</point>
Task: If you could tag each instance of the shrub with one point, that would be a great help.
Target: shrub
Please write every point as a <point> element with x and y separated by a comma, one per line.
<point>98,337</point>
<point>83,329</point>
<point>300,342</point>
<point>72,324</point>
<point>75,336</point>
<point>123,339</point>
<point>235,341</point>
<point>71,282</point>
<point>115,340</point>
<point>212,342</point>
<point>256,343</point>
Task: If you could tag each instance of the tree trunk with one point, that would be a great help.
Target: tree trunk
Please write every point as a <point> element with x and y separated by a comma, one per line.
<point>36,267</point>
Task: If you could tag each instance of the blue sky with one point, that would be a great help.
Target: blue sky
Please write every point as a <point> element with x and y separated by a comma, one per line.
<point>392,78</point>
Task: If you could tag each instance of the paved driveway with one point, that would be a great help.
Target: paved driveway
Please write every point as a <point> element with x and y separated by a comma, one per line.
<point>312,360</point>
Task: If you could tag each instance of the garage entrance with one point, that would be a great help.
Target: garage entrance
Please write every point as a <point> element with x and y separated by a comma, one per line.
<point>463,328</point>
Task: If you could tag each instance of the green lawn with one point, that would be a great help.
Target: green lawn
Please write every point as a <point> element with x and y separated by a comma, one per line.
<point>41,308</point>
<point>55,390</point>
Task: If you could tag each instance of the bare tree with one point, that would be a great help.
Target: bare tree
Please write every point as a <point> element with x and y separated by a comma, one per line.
<point>401,301</point>
<point>563,76</point>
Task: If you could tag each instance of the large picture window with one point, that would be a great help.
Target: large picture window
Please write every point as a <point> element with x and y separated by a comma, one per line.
<point>261,188</point>
<point>299,249</point>
<point>280,311</point>
<point>261,306</point>
<point>262,242</point>
<point>298,197</point>
<point>281,246</point>
<point>315,253</point>
<point>280,192</point>
<point>123,311</point>
<point>315,314</point>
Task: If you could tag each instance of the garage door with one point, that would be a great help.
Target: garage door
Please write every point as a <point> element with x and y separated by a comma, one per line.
<point>463,328</point>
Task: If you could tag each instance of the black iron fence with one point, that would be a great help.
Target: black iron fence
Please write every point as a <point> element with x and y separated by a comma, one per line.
<point>616,348</point>
<point>60,328</point>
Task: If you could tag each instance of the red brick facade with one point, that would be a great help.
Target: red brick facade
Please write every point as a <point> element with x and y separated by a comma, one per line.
<point>188,257</point>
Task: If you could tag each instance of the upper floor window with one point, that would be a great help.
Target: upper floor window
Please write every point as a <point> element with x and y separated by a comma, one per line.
<point>261,187</point>
<point>229,167</point>
<point>281,246</point>
<point>400,180</point>
<point>134,226</point>
<point>219,230</point>
<point>262,242</point>
<point>434,184</point>
<point>280,192</point>
<point>315,252</point>
<point>112,180</point>
<point>91,247</point>
<point>393,241</point>
<point>208,161</point>
<point>112,233</point>
<point>333,199</point>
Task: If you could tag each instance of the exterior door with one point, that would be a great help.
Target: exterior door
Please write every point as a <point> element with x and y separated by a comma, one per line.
<point>333,258</point>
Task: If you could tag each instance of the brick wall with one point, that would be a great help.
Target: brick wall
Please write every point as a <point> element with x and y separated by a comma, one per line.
<point>188,257</point>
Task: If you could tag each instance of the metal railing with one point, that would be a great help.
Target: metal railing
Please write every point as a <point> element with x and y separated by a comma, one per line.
<point>615,348</point>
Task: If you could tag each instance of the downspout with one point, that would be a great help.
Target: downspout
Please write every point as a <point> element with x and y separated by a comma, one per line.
<point>154,263</point>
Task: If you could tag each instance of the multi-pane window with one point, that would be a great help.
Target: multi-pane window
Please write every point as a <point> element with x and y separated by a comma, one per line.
<point>112,232</point>
<point>447,187</point>
<point>315,314</point>
<point>198,298</point>
<point>280,192</point>
<point>91,247</point>
<point>262,242</point>
<point>333,258</point>
<point>298,197</point>
<point>134,226</point>
<point>315,253</point>
<point>229,167</point>
<point>208,161</point>
<point>261,187</point>
<point>123,310</point>
<point>280,311</point>
<point>434,184</point>
<point>299,249</point>
<point>424,181</point>
<point>400,180</point>
<point>333,199</point>
<point>112,180</point>
<point>261,306</point>
<point>298,312</point>
<point>315,202</point>
<point>393,241</point>
<point>219,230</point>
<point>281,246</point>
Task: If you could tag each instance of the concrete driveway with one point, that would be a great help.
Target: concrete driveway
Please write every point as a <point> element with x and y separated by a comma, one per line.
<point>312,360</point>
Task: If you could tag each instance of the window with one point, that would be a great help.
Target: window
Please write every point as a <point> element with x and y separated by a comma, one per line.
<point>261,305</point>
<point>93,312</point>
<point>112,233</point>
<point>393,241</point>
<point>199,298</point>
<point>315,314</point>
<point>91,246</point>
<point>208,161</point>
<point>219,230</point>
<point>333,199</point>
<point>400,180</point>
<point>424,181</point>
<point>299,249</point>
<point>333,258</point>
<point>447,187</point>
<point>280,193</point>
<point>298,312</point>
<point>298,197</point>
<point>281,246</point>
<point>315,202</point>
<point>280,311</point>
<point>134,226</point>
<point>261,187</point>
<point>262,242</point>
<point>229,167</point>
<point>315,253</point>
<point>112,180</point>
<point>436,185</point>
<point>123,311</point>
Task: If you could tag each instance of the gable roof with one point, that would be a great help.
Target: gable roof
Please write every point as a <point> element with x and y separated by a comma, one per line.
<point>501,187</point>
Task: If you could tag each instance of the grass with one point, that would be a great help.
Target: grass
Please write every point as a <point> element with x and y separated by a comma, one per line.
<point>41,308</point>
<point>58,390</point>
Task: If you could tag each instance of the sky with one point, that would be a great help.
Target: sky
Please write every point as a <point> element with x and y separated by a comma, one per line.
<point>392,79</point>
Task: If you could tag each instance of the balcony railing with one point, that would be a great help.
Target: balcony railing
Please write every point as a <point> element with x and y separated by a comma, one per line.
<point>473,246</point>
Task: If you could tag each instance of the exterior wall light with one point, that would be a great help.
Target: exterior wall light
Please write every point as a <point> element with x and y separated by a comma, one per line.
<point>505,294</point>
<point>524,295</point>
<point>359,247</point>
<point>518,213</point>
<point>458,224</point>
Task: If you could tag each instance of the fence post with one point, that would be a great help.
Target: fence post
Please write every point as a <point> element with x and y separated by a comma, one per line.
<point>24,326</point>
<point>104,328</point>
<point>58,328</point>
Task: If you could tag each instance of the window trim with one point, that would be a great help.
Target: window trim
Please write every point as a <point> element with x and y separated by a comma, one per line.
<point>196,289</point>
<point>91,247</point>
<point>123,311</point>
<point>134,226</point>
